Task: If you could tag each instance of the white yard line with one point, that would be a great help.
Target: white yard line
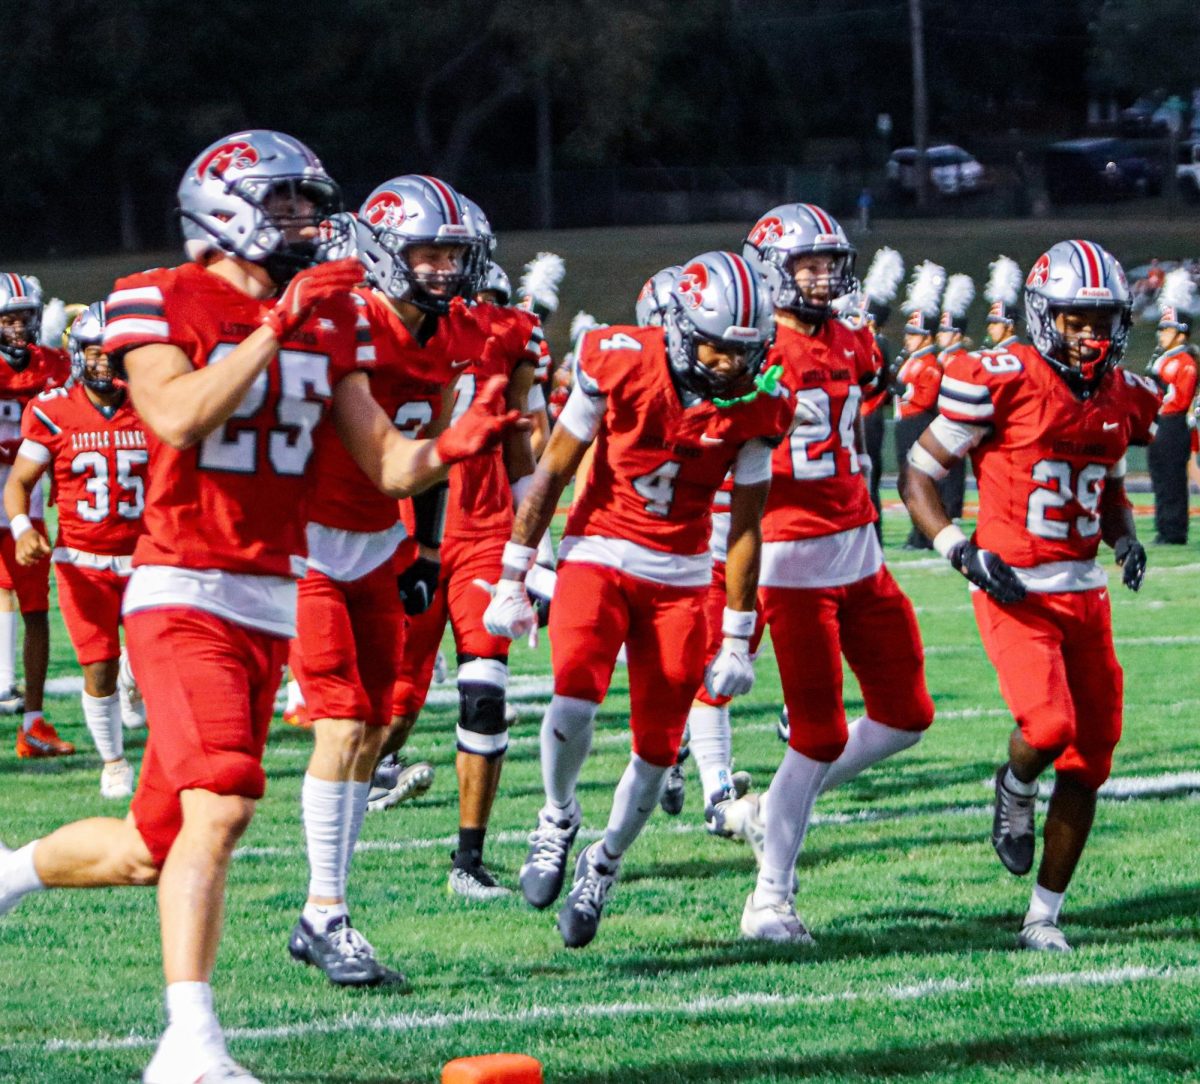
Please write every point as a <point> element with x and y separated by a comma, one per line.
<point>399,1023</point>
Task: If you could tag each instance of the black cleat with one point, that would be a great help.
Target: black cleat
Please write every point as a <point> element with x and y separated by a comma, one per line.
<point>579,918</point>
<point>345,956</point>
<point>1012,826</point>
<point>545,866</point>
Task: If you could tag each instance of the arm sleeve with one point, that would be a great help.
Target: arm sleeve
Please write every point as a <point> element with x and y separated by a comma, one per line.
<point>753,464</point>
<point>583,413</point>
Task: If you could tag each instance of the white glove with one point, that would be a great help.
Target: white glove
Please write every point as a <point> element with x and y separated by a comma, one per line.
<point>510,613</point>
<point>731,673</point>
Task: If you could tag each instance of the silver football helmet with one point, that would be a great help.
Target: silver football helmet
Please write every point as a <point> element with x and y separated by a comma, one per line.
<point>799,229</point>
<point>419,210</point>
<point>87,329</point>
<point>651,304</point>
<point>252,194</point>
<point>20,296</point>
<point>1078,275</point>
<point>718,298</point>
<point>495,281</point>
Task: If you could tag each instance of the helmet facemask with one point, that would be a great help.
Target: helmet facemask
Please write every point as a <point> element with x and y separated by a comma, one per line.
<point>691,374</point>
<point>91,367</point>
<point>19,327</point>
<point>1080,360</point>
<point>810,291</point>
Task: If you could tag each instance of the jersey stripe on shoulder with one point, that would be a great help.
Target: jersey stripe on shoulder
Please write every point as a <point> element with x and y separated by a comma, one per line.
<point>44,418</point>
<point>135,316</point>
<point>960,400</point>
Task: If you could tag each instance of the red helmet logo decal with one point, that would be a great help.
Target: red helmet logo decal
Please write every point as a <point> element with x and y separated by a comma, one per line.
<point>766,232</point>
<point>1040,273</point>
<point>647,290</point>
<point>237,155</point>
<point>692,284</point>
<point>386,210</point>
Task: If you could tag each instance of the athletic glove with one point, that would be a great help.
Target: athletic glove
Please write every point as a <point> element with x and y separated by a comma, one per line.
<point>418,584</point>
<point>985,569</point>
<point>510,613</point>
<point>482,425</point>
<point>307,290</point>
<point>731,673</point>
<point>1131,556</point>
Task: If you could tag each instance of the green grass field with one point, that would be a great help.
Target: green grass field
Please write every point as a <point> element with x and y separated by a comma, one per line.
<point>914,976</point>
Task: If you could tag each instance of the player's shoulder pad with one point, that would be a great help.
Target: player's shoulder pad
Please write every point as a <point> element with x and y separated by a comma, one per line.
<point>607,355</point>
<point>974,383</point>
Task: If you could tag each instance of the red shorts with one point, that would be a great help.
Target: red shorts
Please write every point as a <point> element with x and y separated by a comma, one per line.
<point>31,582</point>
<point>597,609</point>
<point>347,636</point>
<point>1059,674</point>
<point>459,600</point>
<point>210,690</point>
<point>870,622</point>
<point>714,612</point>
<point>90,600</point>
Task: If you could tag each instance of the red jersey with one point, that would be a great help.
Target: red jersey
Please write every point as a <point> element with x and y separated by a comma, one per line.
<point>99,462</point>
<point>236,501</point>
<point>45,368</point>
<point>480,499</point>
<point>407,381</point>
<point>920,375</point>
<point>1044,461</point>
<point>1175,373</point>
<point>657,464</point>
<point>817,486</point>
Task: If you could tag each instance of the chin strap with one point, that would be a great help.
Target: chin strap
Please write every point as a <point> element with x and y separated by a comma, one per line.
<point>766,383</point>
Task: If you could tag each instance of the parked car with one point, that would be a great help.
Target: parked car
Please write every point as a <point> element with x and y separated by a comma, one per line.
<point>952,171</point>
<point>1099,169</point>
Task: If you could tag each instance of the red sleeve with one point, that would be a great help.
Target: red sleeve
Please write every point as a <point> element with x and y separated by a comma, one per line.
<point>136,313</point>
<point>1145,405</point>
<point>925,386</point>
<point>1185,385</point>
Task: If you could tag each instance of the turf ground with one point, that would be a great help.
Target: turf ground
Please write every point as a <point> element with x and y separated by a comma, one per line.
<point>914,976</point>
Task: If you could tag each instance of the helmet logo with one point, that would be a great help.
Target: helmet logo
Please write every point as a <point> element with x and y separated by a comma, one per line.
<point>1040,273</point>
<point>237,155</point>
<point>692,283</point>
<point>647,290</point>
<point>386,210</point>
<point>767,231</point>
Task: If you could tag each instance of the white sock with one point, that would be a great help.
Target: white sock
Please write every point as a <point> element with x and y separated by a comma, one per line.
<point>1012,783</point>
<point>18,877</point>
<point>356,802</point>
<point>8,649</point>
<point>28,719</point>
<point>566,741</point>
<point>869,743</point>
<point>711,744</point>
<point>1044,905</point>
<point>295,698</point>
<point>792,794</point>
<point>324,807</point>
<point>103,717</point>
<point>320,916</point>
<point>635,799</point>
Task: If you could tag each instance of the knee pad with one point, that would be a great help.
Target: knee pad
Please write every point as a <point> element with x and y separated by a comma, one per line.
<point>482,729</point>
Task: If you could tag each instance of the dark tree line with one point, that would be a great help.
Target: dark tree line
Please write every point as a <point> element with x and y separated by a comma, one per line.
<point>104,104</point>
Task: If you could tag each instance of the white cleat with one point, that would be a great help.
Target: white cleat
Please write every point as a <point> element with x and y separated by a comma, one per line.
<point>116,780</point>
<point>1043,936</point>
<point>133,707</point>
<point>12,701</point>
<point>440,670</point>
<point>774,922</point>
<point>223,1071</point>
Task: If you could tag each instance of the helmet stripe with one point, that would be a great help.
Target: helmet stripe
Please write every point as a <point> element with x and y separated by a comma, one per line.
<point>1089,263</point>
<point>743,294</point>
<point>16,285</point>
<point>824,225</point>
<point>449,203</point>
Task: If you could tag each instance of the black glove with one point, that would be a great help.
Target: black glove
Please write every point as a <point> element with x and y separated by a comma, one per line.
<point>1131,556</point>
<point>417,585</point>
<point>985,569</point>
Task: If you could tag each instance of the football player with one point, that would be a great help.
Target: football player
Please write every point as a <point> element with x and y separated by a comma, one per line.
<point>26,370</point>
<point>671,411</point>
<point>234,359</point>
<point>418,250</point>
<point>1046,426</point>
<point>483,341</point>
<point>951,339</point>
<point>826,592</point>
<point>917,373</point>
<point>91,441</point>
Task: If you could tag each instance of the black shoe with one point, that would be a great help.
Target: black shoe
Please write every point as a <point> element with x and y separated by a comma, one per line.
<point>345,956</point>
<point>545,866</point>
<point>1013,827</point>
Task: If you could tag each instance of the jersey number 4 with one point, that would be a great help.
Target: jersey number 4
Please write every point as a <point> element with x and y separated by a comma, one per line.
<point>1059,486</point>
<point>814,442</point>
<point>657,488</point>
<point>234,449</point>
